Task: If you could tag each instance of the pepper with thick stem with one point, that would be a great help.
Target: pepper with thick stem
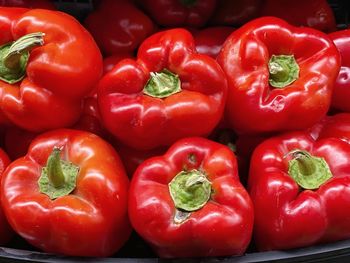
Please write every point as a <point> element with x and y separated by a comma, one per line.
<point>280,77</point>
<point>73,185</point>
<point>190,202</point>
<point>48,64</point>
<point>169,92</point>
<point>300,188</point>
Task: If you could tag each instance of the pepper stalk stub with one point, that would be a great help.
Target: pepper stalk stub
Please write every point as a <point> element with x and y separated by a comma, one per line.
<point>162,84</point>
<point>58,177</point>
<point>308,171</point>
<point>190,191</point>
<point>283,69</point>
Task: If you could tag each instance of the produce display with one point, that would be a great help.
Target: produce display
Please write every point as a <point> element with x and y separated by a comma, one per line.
<point>173,129</point>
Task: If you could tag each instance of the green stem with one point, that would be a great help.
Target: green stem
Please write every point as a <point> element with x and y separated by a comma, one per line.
<point>58,177</point>
<point>162,84</point>
<point>308,171</point>
<point>54,168</point>
<point>283,69</point>
<point>190,190</point>
<point>14,56</point>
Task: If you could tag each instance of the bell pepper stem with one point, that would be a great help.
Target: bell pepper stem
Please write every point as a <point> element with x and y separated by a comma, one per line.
<point>190,190</point>
<point>284,70</point>
<point>14,56</point>
<point>54,168</point>
<point>58,177</point>
<point>162,84</point>
<point>20,46</point>
<point>308,171</point>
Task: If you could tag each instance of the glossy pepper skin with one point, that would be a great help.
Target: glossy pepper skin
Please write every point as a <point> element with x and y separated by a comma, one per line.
<point>90,119</point>
<point>210,40</point>
<point>90,221</point>
<point>118,26</point>
<point>44,4</point>
<point>222,226</point>
<point>248,58</point>
<point>6,232</point>
<point>341,91</point>
<point>337,126</point>
<point>288,215</point>
<point>179,13</point>
<point>59,73</point>
<point>235,13</point>
<point>316,13</point>
<point>168,93</point>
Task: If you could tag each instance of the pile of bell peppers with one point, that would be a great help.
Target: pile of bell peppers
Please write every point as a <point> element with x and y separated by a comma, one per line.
<point>188,128</point>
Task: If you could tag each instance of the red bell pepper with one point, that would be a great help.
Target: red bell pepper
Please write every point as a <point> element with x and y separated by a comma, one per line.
<point>43,4</point>
<point>300,188</point>
<point>6,233</point>
<point>48,69</point>
<point>280,77</point>
<point>190,203</point>
<point>235,13</point>
<point>316,13</point>
<point>210,40</point>
<point>72,185</point>
<point>168,93</point>
<point>118,26</point>
<point>341,94</point>
<point>179,13</point>
<point>90,119</point>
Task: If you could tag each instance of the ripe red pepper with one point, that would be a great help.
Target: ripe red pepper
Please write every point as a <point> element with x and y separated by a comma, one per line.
<point>316,13</point>
<point>73,185</point>
<point>118,26</point>
<point>280,76</point>
<point>44,4</point>
<point>235,13</point>
<point>46,91</point>
<point>168,93</point>
<point>300,188</point>
<point>210,40</point>
<point>190,203</point>
<point>341,94</point>
<point>179,13</point>
<point>6,232</point>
